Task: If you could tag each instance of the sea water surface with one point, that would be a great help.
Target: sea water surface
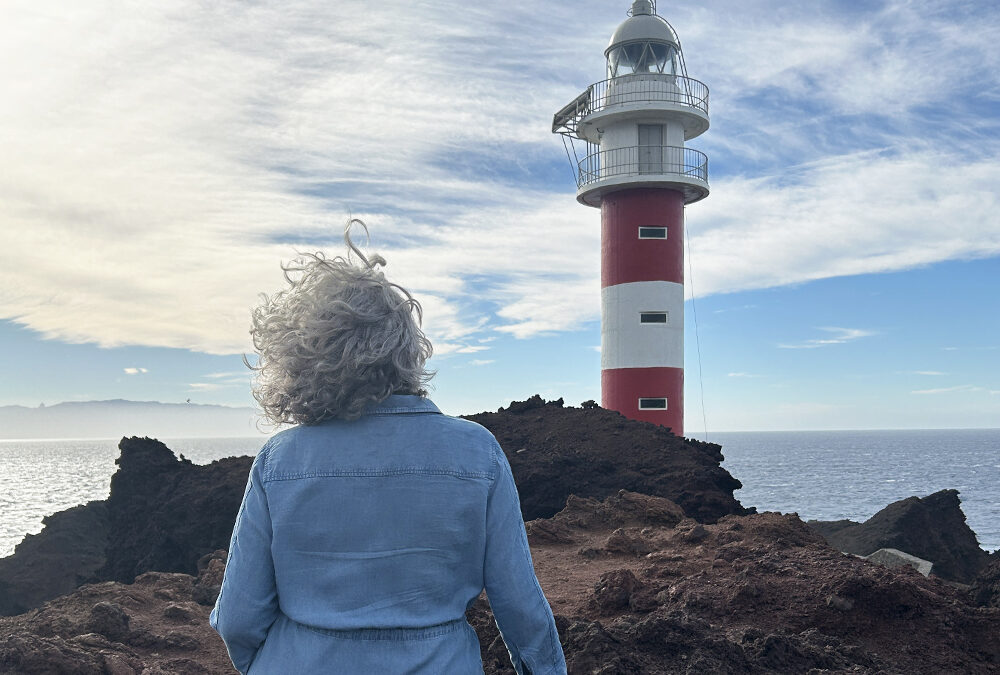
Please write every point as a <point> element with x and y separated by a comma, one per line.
<point>831,475</point>
<point>824,475</point>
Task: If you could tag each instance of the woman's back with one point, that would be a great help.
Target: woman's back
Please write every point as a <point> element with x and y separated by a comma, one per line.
<point>379,522</point>
<point>381,532</point>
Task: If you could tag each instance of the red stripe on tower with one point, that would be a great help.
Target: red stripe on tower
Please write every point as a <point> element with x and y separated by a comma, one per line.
<point>637,170</point>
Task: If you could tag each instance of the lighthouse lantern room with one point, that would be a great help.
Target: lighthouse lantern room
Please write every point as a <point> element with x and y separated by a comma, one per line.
<point>636,169</point>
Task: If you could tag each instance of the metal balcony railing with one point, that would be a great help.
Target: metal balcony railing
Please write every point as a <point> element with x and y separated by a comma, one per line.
<point>628,89</point>
<point>655,161</point>
<point>649,88</point>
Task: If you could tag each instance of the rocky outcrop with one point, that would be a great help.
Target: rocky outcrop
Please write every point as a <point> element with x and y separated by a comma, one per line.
<point>165,513</point>
<point>67,552</point>
<point>932,528</point>
<point>557,451</point>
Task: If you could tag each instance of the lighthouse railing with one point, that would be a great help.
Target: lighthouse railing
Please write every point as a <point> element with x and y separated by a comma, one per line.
<point>648,88</point>
<point>637,88</point>
<point>642,160</point>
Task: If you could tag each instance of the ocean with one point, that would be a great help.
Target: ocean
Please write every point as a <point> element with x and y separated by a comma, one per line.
<point>823,475</point>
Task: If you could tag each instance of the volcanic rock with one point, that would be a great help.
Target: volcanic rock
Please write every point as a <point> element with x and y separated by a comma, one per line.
<point>163,514</point>
<point>760,593</point>
<point>152,626</point>
<point>166,513</point>
<point>556,451</point>
<point>985,588</point>
<point>68,551</point>
<point>932,528</point>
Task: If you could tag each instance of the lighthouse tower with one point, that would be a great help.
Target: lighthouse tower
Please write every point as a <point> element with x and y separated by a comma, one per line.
<point>635,168</point>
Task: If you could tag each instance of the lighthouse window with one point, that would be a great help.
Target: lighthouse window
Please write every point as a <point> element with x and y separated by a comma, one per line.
<point>652,404</point>
<point>652,233</point>
<point>652,317</point>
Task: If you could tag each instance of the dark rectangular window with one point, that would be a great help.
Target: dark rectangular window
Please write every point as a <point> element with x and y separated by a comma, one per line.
<point>652,404</point>
<point>652,233</point>
<point>652,317</point>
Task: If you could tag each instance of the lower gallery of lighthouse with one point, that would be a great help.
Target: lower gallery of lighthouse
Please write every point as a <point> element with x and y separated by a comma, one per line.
<point>642,305</point>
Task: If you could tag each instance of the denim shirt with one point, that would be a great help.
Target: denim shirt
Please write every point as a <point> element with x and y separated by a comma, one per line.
<point>360,544</point>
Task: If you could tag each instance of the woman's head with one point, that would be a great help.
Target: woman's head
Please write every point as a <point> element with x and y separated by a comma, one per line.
<point>337,339</point>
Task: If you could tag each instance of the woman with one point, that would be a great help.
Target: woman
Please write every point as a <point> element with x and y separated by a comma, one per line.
<point>367,530</point>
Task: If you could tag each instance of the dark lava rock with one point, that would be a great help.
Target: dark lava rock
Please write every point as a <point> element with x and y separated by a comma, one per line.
<point>932,528</point>
<point>557,451</point>
<point>211,567</point>
<point>67,552</point>
<point>166,513</point>
<point>986,586</point>
<point>163,514</point>
<point>108,619</point>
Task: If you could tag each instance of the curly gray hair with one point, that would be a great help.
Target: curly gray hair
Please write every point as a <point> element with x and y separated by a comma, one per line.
<point>338,339</point>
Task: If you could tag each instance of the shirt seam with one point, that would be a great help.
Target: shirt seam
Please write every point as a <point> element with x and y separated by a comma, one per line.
<point>396,411</point>
<point>377,473</point>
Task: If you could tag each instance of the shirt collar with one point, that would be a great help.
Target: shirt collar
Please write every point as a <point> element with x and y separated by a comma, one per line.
<point>401,404</point>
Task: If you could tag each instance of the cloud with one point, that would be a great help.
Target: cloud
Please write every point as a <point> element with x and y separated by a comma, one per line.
<point>481,362</point>
<point>165,166</point>
<point>949,390</point>
<point>920,372</point>
<point>840,336</point>
<point>241,374</point>
<point>210,386</point>
<point>741,375</point>
<point>135,371</point>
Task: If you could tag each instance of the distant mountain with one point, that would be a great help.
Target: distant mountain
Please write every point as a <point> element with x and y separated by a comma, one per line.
<point>116,418</point>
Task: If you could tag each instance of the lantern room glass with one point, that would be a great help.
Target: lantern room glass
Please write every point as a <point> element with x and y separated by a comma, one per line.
<point>643,57</point>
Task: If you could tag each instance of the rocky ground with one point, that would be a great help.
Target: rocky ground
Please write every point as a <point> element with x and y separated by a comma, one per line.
<point>650,566</point>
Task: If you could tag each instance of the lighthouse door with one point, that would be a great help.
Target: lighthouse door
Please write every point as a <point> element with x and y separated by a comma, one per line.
<point>650,148</point>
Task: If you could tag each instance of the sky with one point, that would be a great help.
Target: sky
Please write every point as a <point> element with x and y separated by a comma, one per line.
<point>161,159</point>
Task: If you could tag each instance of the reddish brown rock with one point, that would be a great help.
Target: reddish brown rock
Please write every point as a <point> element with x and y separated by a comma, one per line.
<point>148,627</point>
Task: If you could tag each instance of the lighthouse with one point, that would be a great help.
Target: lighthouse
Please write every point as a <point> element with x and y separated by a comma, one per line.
<point>634,166</point>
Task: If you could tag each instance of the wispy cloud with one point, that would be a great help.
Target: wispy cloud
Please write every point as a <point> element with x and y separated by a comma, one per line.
<point>260,126</point>
<point>949,390</point>
<point>839,336</point>
<point>734,309</point>
<point>210,386</point>
<point>929,373</point>
<point>750,375</point>
<point>481,362</point>
<point>135,371</point>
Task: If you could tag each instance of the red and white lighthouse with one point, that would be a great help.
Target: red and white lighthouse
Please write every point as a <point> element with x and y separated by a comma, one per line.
<point>636,169</point>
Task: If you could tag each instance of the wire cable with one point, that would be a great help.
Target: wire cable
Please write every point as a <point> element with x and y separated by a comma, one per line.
<point>697,339</point>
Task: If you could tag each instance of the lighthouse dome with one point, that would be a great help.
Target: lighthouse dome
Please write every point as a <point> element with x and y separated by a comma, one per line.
<point>644,43</point>
<point>643,26</point>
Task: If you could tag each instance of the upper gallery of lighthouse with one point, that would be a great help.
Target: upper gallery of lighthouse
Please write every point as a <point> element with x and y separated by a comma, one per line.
<point>634,123</point>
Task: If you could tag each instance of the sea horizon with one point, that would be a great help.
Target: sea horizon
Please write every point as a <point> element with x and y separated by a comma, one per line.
<point>699,435</point>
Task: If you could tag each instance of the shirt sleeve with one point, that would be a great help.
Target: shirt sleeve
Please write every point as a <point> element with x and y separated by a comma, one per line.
<point>521,611</point>
<point>248,600</point>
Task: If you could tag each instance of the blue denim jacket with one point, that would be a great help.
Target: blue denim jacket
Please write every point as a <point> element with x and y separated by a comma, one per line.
<point>360,545</point>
